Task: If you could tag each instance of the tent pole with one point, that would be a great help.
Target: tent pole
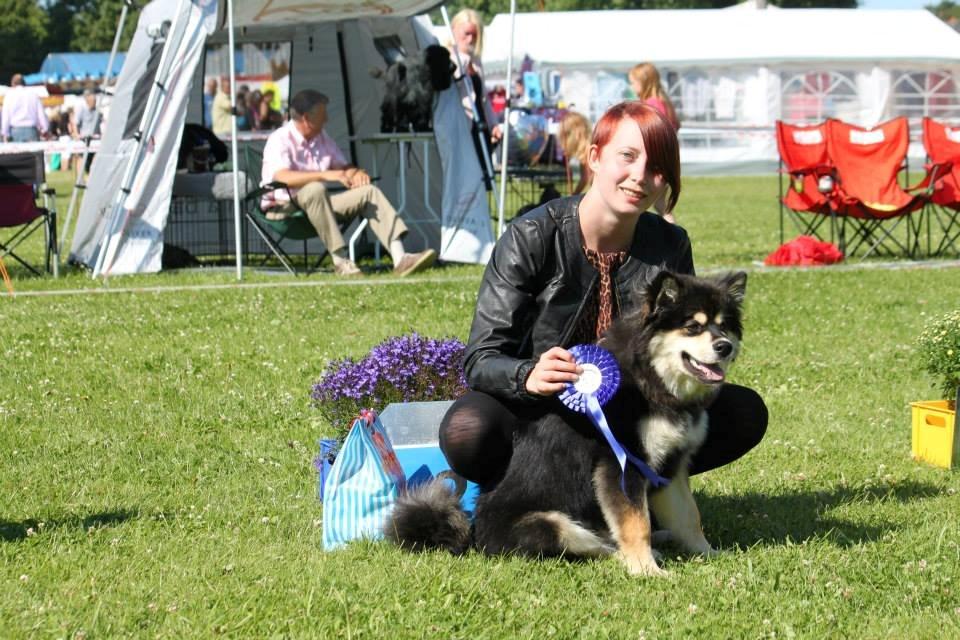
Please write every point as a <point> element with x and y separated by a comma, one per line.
<point>505,141</point>
<point>81,183</point>
<point>233,141</point>
<point>119,212</point>
<point>487,167</point>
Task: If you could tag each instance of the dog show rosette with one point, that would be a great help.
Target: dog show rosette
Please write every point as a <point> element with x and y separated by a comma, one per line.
<point>598,382</point>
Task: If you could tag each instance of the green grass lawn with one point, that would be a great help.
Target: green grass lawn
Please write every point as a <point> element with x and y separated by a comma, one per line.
<point>156,447</point>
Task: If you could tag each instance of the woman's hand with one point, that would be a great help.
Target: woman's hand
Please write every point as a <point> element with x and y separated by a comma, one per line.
<point>553,371</point>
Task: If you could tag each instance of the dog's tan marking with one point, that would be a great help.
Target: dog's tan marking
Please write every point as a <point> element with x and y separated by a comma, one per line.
<point>719,319</point>
<point>574,537</point>
<point>700,317</point>
<point>628,522</point>
<point>677,511</point>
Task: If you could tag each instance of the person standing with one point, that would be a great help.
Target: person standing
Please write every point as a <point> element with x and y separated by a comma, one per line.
<point>222,109</point>
<point>209,94</point>
<point>301,155</point>
<point>85,122</point>
<point>645,82</point>
<point>574,139</point>
<point>23,117</point>
<point>465,51</point>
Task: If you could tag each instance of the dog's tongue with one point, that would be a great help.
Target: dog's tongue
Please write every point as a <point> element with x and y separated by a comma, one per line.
<point>708,372</point>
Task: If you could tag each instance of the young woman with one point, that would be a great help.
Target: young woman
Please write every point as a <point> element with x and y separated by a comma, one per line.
<point>645,82</point>
<point>558,277</point>
<point>574,139</point>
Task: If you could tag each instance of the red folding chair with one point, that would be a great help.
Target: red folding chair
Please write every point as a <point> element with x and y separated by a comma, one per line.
<point>942,143</point>
<point>21,179</point>
<point>803,157</point>
<point>866,195</point>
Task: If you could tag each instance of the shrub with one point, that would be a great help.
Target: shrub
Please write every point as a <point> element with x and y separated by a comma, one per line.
<point>938,348</point>
<point>406,368</point>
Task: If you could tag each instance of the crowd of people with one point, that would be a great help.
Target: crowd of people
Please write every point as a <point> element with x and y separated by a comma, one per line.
<point>257,110</point>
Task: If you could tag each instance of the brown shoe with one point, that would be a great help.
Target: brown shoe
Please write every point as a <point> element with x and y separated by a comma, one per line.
<point>414,262</point>
<point>347,268</point>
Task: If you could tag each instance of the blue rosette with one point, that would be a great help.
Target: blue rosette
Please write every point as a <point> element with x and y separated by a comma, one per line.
<point>597,384</point>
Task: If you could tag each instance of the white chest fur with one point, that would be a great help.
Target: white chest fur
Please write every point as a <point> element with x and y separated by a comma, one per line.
<point>662,436</point>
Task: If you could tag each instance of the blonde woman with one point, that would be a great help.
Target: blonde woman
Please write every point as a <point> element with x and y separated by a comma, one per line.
<point>574,139</point>
<point>645,82</point>
<point>468,40</point>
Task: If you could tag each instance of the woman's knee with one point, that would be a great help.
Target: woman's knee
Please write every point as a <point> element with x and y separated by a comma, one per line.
<point>753,414</point>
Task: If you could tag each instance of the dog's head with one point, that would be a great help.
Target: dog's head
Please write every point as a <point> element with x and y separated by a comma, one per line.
<point>439,66</point>
<point>688,330</point>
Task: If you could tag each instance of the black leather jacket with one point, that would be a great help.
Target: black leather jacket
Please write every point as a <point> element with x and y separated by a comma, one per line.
<point>536,283</point>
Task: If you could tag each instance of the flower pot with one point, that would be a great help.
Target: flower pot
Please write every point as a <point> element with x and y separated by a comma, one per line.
<point>935,432</point>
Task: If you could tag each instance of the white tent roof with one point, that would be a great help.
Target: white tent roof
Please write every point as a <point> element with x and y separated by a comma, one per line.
<point>266,12</point>
<point>712,37</point>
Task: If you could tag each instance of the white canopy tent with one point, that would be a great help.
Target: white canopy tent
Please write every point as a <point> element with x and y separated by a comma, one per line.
<point>333,48</point>
<point>733,72</point>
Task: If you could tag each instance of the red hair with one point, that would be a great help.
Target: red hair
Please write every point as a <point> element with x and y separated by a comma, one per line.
<point>659,139</point>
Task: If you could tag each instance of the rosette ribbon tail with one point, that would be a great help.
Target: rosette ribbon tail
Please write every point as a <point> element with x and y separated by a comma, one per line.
<point>596,415</point>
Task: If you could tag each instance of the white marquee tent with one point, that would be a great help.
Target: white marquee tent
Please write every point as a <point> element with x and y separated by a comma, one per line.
<point>332,47</point>
<point>733,72</point>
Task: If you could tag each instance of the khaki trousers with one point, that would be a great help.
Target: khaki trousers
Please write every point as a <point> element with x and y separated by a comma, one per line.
<point>327,210</point>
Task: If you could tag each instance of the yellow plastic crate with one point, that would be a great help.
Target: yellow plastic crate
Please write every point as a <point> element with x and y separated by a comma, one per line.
<point>935,433</point>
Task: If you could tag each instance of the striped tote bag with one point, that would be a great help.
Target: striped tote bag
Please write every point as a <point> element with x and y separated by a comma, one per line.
<point>363,484</point>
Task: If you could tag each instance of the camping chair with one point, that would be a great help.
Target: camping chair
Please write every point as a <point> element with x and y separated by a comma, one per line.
<point>803,157</point>
<point>295,226</point>
<point>866,195</point>
<point>22,178</point>
<point>942,144</point>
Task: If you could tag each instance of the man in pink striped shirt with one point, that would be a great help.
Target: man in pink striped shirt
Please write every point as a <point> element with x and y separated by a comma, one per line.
<point>23,117</point>
<point>301,155</point>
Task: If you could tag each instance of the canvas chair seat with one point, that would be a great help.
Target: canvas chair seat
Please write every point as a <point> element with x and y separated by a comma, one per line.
<point>804,161</point>
<point>942,144</point>
<point>867,195</point>
<point>22,179</point>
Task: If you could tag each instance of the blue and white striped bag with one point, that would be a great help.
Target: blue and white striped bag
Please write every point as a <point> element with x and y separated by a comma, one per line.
<point>363,484</point>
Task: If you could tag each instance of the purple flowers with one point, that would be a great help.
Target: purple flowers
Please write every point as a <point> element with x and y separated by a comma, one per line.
<point>401,369</point>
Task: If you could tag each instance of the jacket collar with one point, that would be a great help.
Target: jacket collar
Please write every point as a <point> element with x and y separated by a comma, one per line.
<point>568,218</point>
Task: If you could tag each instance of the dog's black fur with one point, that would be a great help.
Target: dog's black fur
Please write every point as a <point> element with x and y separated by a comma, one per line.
<point>411,86</point>
<point>561,493</point>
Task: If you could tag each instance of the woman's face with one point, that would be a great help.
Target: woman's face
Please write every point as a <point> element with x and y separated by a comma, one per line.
<point>465,33</point>
<point>622,176</point>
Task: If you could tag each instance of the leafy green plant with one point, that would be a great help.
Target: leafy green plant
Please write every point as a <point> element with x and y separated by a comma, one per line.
<point>939,349</point>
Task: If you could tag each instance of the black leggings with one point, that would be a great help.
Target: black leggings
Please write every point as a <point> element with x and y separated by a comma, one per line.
<point>476,434</point>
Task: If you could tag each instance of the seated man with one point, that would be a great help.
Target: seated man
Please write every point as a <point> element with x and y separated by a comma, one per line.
<point>301,155</point>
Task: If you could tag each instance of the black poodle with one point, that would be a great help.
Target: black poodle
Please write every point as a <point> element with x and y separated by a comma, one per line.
<point>408,103</point>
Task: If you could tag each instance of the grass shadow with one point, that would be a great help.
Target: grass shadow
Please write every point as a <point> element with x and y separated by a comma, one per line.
<point>775,519</point>
<point>11,531</point>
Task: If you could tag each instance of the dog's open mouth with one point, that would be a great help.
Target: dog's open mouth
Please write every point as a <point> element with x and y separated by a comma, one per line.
<point>705,373</point>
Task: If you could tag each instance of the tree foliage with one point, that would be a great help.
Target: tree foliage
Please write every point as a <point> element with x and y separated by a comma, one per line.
<point>23,30</point>
<point>96,25</point>
<point>947,11</point>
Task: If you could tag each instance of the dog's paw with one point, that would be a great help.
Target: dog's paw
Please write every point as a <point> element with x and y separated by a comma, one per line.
<point>642,566</point>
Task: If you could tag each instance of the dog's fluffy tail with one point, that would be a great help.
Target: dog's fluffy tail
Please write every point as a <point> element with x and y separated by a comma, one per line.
<point>429,517</point>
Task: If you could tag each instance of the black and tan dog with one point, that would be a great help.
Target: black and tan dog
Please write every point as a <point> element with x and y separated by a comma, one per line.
<point>561,494</point>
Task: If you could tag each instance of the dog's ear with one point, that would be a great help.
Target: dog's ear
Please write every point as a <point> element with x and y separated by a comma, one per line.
<point>735,284</point>
<point>665,290</point>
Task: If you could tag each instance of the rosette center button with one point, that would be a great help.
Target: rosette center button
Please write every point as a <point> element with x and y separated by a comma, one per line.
<point>590,380</point>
